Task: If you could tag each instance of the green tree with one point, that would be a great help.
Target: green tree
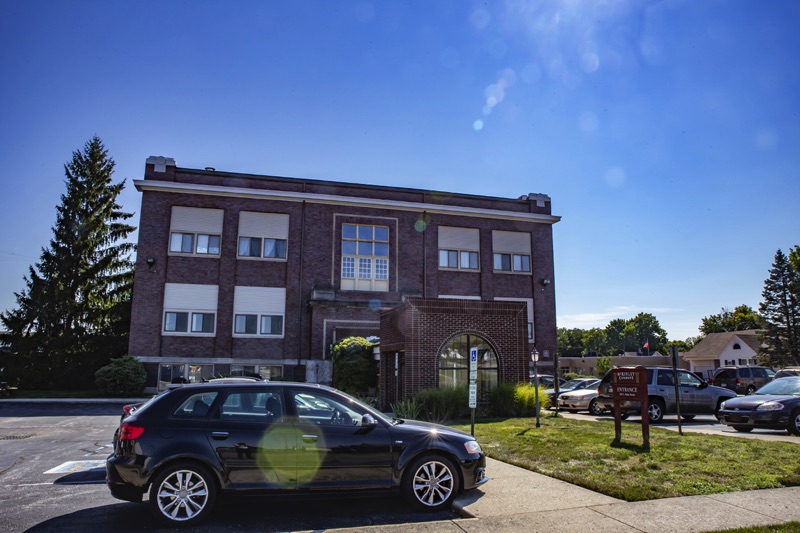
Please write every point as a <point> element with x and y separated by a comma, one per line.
<point>683,346</point>
<point>741,318</point>
<point>594,340</point>
<point>646,333</point>
<point>354,369</point>
<point>72,317</point>
<point>603,365</point>
<point>570,342</point>
<point>781,311</point>
<point>616,337</point>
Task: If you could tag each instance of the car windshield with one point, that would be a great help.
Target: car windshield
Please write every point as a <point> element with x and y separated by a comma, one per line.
<point>781,386</point>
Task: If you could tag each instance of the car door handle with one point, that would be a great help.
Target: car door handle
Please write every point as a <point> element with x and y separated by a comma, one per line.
<point>219,435</point>
<point>309,438</point>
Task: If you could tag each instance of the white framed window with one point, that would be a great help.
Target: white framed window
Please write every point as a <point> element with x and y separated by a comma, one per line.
<point>459,248</point>
<point>365,257</point>
<point>259,311</point>
<point>263,235</point>
<point>511,251</point>
<point>512,262</point>
<point>190,309</point>
<point>195,231</point>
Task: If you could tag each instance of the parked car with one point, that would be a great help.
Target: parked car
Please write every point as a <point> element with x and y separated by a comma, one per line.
<point>584,399</point>
<point>776,405</point>
<point>573,384</point>
<point>546,380</point>
<point>740,379</point>
<point>191,443</point>
<point>696,396</point>
<point>785,372</point>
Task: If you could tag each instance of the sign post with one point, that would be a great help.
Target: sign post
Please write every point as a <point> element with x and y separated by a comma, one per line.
<point>673,350</point>
<point>630,384</point>
<point>473,385</point>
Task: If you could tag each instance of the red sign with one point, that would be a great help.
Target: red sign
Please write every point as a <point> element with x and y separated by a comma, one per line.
<point>630,384</point>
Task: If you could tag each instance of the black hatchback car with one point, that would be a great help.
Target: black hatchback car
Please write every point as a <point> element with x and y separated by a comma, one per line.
<point>187,445</point>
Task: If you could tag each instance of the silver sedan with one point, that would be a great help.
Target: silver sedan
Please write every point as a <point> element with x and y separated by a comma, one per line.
<point>581,400</point>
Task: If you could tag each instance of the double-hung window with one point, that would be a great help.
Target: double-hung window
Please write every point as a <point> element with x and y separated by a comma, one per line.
<point>263,235</point>
<point>512,251</point>
<point>195,231</point>
<point>365,257</point>
<point>459,248</point>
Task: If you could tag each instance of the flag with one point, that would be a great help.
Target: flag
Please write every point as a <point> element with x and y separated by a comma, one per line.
<point>646,344</point>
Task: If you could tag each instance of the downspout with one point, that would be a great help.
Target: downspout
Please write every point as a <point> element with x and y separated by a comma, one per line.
<point>300,282</point>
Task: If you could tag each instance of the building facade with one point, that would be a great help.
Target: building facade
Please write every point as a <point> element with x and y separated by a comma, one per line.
<point>247,274</point>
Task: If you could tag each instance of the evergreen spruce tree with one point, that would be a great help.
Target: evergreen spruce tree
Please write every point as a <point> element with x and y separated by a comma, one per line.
<point>73,315</point>
<point>781,311</point>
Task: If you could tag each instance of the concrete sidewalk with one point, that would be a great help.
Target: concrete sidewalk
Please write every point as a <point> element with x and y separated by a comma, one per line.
<point>517,500</point>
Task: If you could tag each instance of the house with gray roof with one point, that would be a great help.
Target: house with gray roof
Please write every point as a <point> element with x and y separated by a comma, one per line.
<point>729,348</point>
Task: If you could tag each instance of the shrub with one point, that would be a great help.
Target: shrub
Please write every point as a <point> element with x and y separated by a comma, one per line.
<point>123,376</point>
<point>525,399</point>
<point>354,368</point>
<point>502,402</point>
<point>410,408</point>
<point>440,405</point>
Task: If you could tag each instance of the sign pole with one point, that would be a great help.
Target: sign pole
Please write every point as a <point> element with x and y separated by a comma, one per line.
<point>673,350</point>
<point>473,385</point>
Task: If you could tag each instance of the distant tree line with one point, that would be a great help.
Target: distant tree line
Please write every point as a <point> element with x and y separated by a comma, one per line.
<point>777,321</point>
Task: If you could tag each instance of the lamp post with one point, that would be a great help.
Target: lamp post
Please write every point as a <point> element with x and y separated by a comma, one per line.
<point>535,359</point>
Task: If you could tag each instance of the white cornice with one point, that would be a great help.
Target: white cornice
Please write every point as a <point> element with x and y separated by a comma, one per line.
<point>266,194</point>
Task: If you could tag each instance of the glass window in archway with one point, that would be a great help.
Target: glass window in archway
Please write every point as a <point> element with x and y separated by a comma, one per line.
<point>454,363</point>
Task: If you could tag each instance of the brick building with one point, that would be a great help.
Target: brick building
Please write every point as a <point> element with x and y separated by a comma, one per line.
<point>240,273</point>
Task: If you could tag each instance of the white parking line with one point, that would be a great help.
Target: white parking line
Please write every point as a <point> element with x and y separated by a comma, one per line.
<point>71,467</point>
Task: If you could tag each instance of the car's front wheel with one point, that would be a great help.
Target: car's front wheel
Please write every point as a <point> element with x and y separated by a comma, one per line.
<point>430,483</point>
<point>183,494</point>
<point>595,408</point>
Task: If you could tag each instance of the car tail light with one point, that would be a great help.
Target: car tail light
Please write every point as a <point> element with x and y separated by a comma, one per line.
<point>738,381</point>
<point>130,432</point>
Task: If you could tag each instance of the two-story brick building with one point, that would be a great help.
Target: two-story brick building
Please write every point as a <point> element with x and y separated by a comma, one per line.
<point>240,273</point>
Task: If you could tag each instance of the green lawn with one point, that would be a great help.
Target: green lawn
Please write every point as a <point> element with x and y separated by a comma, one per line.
<point>583,453</point>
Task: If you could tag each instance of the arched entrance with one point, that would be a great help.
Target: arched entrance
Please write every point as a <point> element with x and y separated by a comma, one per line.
<point>454,363</point>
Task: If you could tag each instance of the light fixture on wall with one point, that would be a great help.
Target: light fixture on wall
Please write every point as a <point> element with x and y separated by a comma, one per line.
<point>546,281</point>
<point>150,262</point>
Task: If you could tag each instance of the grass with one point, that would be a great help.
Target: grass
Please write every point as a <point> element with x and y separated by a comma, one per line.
<point>583,453</point>
<point>788,527</point>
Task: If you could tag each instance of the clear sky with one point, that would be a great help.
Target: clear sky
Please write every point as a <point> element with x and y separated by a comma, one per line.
<point>666,132</point>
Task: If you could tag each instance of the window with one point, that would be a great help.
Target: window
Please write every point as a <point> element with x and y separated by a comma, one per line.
<point>365,257</point>
<point>454,364</point>
<point>266,372</point>
<point>190,309</point>
<point>195,231</point>
<point>259,311</point>
<point>249,247</point>
<point>245,324</point>
<point>463,260</point>
<point>169,373</point>
<point>737,347</point>
<point>263,235</point>
<point>202,323</point>
<point>176,321</point>
<point>512,251</point>
<point>512,262</point>
<point>271,325</point>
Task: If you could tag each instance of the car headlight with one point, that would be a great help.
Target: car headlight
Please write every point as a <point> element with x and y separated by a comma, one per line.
<point>722,406</point>
<point>472,446</point>
<point>770,406</point>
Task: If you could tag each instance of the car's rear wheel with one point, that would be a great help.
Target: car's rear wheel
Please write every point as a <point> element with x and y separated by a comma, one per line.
<point>183,494</point>
<point>595,409</point>
<point>794,423</point>
<point>743,429</point>
<point>656,410</point>
<point>750,390</point>
<point>430,483</point>
<point>688,417</point>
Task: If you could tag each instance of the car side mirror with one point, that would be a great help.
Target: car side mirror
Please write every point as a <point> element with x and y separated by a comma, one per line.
<point>368,421</point>
<point>703,385</point>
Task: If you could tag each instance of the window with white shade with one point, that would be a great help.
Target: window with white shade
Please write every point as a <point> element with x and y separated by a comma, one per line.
<point>190,309</point>
<point>459,248</point>
<point>263,235</point>
<point>259,311</point>
<point>511,251</point>
<point>195,231</point>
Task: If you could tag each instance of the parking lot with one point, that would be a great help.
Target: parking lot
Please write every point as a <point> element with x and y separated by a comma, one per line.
<point>52,478</point>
